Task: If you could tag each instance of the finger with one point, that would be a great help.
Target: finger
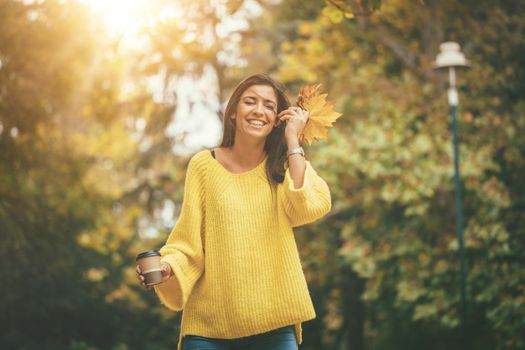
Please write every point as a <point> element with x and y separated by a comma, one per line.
<point>292,113</point>
<point>306,115</point>
<point>302,109</point>
<point>164,268</point>
<point>290,110</point>
<point>283,120</point>
<point>143,284</point>
<point>279,121</point>
<point>302,115</point>
<point>285,112</point>
<point>294,117</point>
<point>299,110</point>
<point>285,117</point>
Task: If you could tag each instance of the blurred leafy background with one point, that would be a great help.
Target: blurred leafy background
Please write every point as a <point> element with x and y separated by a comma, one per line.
<point>103,103</point>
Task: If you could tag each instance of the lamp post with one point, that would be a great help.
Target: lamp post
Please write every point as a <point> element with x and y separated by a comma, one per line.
<point>451,57</point>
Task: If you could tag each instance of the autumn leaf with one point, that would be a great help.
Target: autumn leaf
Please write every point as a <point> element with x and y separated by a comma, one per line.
<point>322,116</point>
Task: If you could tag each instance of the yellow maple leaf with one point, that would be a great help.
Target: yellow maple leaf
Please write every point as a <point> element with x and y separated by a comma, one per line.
<point>321,113</point>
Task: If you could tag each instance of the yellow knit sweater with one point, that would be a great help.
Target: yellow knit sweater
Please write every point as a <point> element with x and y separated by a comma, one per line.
<point>237,270</point>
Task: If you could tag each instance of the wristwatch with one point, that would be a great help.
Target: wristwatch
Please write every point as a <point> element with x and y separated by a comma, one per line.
<point>296,150</point>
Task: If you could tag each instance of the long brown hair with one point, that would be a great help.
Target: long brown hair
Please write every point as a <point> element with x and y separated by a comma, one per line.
<point>275,144</point>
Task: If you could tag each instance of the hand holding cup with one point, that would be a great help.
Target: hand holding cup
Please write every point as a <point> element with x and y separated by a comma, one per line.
<point>150,270</point>
<point>165,270</point>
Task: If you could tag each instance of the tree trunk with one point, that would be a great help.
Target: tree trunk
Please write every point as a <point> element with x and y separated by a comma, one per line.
<point>353,311</point>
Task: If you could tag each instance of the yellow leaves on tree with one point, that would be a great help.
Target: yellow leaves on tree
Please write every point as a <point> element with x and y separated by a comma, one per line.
<point>322,116</point>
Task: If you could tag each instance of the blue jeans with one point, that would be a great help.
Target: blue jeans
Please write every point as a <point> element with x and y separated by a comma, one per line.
<point>278,339</point>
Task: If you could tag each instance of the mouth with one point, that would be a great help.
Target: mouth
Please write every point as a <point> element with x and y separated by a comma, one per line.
<point>256,123</point>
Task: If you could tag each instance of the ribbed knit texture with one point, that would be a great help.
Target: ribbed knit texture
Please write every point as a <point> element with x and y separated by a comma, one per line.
<point>237,270</point>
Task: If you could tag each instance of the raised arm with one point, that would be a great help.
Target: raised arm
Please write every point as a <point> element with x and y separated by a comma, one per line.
<point>308,202</point>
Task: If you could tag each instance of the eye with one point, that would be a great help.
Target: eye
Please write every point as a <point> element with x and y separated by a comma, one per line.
<point>271,107</point>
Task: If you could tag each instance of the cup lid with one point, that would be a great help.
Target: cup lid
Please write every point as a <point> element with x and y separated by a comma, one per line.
<point>147,254</point>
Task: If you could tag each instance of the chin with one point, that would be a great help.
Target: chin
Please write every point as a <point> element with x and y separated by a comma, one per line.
<point>261,134</point>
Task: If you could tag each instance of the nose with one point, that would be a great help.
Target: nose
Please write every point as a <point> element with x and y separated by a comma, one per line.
<point>259,109</point>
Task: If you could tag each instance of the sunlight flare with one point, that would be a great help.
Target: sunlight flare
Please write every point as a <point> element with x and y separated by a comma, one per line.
<point>124,16</point>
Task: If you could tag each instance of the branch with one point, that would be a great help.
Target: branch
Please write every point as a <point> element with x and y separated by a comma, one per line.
<point>357,8</point>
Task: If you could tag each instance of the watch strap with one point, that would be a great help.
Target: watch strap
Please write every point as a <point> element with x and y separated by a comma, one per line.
<point>296,150</point>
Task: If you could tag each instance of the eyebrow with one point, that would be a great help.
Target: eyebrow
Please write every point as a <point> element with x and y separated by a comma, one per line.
<point>265,100</point>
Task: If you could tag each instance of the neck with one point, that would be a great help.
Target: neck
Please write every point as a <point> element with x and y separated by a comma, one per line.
<point>248,152</point>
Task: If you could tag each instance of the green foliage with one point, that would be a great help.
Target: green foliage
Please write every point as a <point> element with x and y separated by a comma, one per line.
<point>389,164</point>
<point>67,244</point>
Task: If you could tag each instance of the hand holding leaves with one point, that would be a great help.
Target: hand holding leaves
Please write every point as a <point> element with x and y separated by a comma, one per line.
<point>321,113</point>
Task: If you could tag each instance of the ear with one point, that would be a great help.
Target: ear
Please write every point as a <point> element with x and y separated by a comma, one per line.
<point>234,115</point>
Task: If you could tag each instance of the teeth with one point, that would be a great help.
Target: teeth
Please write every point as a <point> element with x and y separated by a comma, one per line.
<point>256,122</point>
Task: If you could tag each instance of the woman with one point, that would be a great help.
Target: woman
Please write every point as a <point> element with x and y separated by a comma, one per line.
<point>231,262</point>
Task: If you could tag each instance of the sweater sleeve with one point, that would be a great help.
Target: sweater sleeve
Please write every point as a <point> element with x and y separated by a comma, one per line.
<point>308,203</point>
<point>183,250</point>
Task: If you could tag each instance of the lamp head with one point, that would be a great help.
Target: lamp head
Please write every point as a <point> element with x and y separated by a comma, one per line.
<point>450,56</point>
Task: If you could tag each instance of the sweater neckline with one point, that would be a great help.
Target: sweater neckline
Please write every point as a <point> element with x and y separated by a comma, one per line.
<point>247,172</point>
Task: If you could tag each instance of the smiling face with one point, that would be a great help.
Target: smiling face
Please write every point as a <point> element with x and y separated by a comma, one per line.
<point>256,111</point>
